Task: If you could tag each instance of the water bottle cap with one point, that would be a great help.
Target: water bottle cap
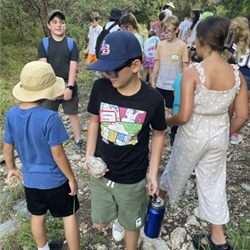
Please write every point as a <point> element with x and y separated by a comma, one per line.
<point>157,202</point>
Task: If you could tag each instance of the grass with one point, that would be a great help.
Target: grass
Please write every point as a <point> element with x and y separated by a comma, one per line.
<point>238,233</point>
<point>23,238</point>
<point>11,196</point>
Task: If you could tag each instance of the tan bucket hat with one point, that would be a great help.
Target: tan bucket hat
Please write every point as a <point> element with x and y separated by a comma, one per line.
<point>171,5</point>
<point>38,81</point>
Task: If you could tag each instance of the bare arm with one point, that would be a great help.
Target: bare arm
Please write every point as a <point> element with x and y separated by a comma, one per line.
<point>63,163</point>
<point>187,99</point>
<point>86,51</point>
<point>8,152</point>
<point>155,72</point>
<point>241,107</point>
<point>44,59</point>
<point>179,34</point>
<point>156,151</point>
<point>67,94</point>
<point>185,65</point>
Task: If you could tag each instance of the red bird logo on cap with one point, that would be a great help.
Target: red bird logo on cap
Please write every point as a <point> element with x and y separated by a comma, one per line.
<point>105,49</point>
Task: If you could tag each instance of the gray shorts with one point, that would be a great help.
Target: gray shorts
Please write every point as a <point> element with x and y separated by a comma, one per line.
<point>69,107</point>
<point>110,200</point>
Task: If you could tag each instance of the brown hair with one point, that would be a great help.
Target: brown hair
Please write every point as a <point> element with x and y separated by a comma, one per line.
<point>162,15</point>
<point>94,16</point>
<point>129,19</point>
<point>213,32</point>
<point>170,20</point>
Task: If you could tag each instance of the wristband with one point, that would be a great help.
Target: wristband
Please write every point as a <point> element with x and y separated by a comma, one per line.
<point>70,87</point>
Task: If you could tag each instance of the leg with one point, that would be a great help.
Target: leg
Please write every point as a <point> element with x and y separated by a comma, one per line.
<point>145,73</point>
<point>87,63</point>
<point>71,229</point>
<point>38,229</point>
<point>150,71</point>
<point>100,225</point>
<point>162,194</point>
<point>76,126</point>
<point>217,235</point>
<point>131,239</point>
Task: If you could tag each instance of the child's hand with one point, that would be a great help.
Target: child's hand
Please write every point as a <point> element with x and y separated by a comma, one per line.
<point>67,94</point>
<point>152,185</point>
<point>85,51</point>
<point>13,173</point>
<point>101,175</point>
<point>85,166</point>
<point>73,187</point>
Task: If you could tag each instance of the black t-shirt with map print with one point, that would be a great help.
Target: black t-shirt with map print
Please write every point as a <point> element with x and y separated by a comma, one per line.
<point>123,134</point>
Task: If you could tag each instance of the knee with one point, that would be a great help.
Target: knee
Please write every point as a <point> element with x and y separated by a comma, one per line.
<point>99,225</point>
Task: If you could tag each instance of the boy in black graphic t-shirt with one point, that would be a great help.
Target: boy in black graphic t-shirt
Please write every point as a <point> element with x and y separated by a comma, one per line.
<point>122,107</point>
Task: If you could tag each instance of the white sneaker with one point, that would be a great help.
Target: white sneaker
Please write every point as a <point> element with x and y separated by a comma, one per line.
<point>118,231</point>
<point>235,138</point>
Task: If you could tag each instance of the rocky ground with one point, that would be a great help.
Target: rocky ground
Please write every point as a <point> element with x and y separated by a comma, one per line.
<point>181,221</point>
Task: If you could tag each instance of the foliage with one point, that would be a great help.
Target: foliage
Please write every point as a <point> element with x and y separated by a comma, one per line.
<point>238,233</point>
<point>23,238</point>
<point>234,8</point>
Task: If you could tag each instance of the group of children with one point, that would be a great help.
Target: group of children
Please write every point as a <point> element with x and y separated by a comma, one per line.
<point>124,109</point>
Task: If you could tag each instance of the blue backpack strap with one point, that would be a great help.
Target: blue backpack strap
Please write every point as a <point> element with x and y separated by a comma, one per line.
<point>46,44</point>
<point>70,42</point>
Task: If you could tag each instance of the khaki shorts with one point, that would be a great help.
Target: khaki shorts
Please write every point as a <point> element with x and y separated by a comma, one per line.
<point>110,200</point>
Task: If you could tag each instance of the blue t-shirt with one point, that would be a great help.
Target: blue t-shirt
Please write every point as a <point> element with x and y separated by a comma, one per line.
<point>34,131</point>
<point>177,93</point>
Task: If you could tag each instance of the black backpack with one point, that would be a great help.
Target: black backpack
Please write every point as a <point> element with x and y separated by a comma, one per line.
<point>100,38</point>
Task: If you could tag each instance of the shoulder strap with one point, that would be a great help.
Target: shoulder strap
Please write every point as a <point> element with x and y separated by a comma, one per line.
<point>46,44</point>
<point>200,71</point>
<point>111,26</point>
<point>70,43</point>
<point>237,77</point>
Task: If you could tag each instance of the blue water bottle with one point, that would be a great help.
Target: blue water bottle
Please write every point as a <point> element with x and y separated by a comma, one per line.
<point>155,214</point>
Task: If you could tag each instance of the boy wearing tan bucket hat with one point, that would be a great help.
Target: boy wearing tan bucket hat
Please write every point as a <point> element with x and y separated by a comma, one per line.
<point>38,134</point>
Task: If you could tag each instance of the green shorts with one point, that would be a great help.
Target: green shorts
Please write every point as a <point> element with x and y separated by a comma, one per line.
<point>110,200</point>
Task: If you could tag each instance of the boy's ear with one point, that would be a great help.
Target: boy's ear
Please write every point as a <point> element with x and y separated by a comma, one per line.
<point>48,25</point>
<point>136,65</point>
<point>177,29</point>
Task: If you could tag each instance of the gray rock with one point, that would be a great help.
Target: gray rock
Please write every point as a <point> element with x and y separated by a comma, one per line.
<point>193,221</point>
<point>177,237</point>
<point>245,187</point>
<point>152,244</point>
<point>96,165</point>
<point>21,209</point>
<point>8,227</point>
<point>1,158</point>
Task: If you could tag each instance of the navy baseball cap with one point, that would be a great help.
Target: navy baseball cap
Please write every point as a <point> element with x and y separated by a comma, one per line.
<point>117,48</point>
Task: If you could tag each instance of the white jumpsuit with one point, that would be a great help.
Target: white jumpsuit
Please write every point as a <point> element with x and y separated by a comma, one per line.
<point>201,144</point>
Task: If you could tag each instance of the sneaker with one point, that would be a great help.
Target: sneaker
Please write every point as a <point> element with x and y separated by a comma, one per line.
<point>235,138</point>
<point>118,231</point>
<point>80,145</point>
<point>56,245</point>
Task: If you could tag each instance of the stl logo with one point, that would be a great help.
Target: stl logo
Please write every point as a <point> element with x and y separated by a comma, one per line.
<point>105,49</point>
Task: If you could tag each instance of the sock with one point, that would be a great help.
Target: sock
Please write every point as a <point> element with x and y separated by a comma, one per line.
<point>46,247</point>
<point>235,135</point>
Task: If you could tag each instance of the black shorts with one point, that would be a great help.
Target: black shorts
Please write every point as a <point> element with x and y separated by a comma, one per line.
<point>56,200</point>
<point>168,96</point>
<point>69,107</point>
